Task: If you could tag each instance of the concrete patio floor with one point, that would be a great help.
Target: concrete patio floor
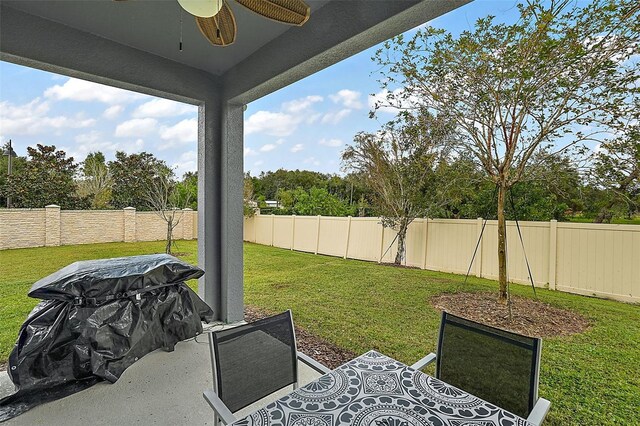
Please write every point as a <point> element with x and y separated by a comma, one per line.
<point>163,388</point>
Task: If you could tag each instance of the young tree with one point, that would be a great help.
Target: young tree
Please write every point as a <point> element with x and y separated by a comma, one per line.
<point>133,175</point>
<point>164,200</point>
<point>514,89</point>
<point>398,165</point>
<point>96,181</point>
<point>47,178</point>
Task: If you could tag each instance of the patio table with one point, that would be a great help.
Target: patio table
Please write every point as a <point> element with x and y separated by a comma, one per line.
<point>375,390</point>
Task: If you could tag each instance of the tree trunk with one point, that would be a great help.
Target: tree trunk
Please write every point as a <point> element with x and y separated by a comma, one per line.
<point>502,244</point>
<point>402,234</point>
<point>167,248</point>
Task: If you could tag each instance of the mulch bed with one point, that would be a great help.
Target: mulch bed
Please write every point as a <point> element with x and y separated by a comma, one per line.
<point>322,351</point>
<point>530,317</point>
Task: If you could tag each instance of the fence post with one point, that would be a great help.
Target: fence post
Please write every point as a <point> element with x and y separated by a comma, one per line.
<point>478,258</point>
<point>381,243</point>
<point>346,246</point>
<point>52,225</point>
<point>273,226</point>
<point>293,230</point>
<point>255,227</point>
<point>317,235</point>
<point>553,253</point>
<point>129,215</point>
<point>424,243</point>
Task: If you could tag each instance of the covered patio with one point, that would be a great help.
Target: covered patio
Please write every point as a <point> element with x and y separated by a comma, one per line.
<point>134,45</point>
<point>162,388</point>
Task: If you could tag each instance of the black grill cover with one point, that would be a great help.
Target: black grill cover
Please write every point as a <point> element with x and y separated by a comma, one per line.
<point>97,318</point>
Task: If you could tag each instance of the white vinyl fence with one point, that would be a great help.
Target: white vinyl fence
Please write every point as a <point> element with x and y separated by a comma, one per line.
<point>582,258</point>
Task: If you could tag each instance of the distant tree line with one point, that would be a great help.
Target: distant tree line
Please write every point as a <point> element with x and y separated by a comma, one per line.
<point>48,176</point>
<point>556,188</point>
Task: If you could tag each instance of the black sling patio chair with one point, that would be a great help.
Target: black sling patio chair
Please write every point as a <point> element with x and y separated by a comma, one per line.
<point>252,361</point>
<point>496,365</point>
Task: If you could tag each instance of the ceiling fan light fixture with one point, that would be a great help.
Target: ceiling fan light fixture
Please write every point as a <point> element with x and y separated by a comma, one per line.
<point>201,8</point>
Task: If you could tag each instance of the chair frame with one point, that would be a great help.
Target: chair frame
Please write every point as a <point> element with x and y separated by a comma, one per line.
<point>221,411</point>
<point>540,407</point>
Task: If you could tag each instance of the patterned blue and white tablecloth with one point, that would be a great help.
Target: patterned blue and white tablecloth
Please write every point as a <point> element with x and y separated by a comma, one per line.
<point>375,390</point>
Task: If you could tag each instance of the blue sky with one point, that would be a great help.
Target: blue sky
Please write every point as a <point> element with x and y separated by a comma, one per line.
<point>303,126</point>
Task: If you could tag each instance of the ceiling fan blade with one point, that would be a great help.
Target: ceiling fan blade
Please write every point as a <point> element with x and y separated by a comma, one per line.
<point>220,29</point>
<point>294,12</point>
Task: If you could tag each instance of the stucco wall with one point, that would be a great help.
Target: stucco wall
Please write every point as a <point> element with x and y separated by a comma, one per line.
<point>21,228</point>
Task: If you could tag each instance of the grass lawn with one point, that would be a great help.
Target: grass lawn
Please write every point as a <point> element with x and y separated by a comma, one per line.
<point>591,379</point>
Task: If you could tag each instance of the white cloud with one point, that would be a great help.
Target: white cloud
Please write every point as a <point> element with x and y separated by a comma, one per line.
<point>297,147</point>
<point>88,138</point>
<point>91,142</point>
<point>157,108</point>
<point>182,133</point>
<point>286,122</point>
<point>311,160</point>
<point>280,141</point>
<point>86,91</point>
<point>271,123</point>
<point>113,112</point>
<point>185,131</point>
<point>136,127</point>
<point>336,117</point>
<point>32,118</point>
<point>187,162</point>
<point>267,147</point>
<point>298,106</point>
<point>249,152</point>
<point>330,142</point>
<point>347,98</point>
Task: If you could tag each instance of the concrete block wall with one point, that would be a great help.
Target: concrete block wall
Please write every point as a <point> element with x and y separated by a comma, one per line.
<point>22,228</point>
<point>51,226</point>
<point>103,226</point>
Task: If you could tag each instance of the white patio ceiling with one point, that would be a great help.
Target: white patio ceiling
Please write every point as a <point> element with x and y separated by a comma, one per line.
<point>154,27</point>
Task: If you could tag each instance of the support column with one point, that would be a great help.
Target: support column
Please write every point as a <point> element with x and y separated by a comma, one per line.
<point>129,224</point>
<point>52,225</point>
<point>220,213</point>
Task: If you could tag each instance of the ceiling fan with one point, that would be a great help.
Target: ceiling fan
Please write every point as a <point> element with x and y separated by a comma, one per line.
<point>218,25</point>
